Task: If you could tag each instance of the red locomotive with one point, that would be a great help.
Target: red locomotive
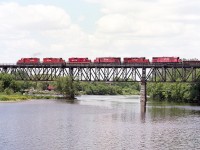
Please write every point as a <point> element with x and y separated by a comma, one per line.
<point>136,60</point>
<point>28,61</point>
<point>75,60</point>
<point>107,60</point>
<point>166,60</point>
<point>53,61</point>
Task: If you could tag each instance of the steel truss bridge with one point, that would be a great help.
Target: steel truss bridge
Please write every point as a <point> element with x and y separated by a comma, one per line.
<point>106,72</point>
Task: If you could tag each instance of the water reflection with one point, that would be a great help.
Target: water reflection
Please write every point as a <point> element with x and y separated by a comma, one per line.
<point>128,108</point>
<point>172,112</point>
<point>142,113</point>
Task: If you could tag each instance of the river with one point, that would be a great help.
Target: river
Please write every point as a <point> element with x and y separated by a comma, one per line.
<point>98,123</point>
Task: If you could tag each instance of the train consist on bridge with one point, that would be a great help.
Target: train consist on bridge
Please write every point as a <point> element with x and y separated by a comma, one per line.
<point>105,60</point>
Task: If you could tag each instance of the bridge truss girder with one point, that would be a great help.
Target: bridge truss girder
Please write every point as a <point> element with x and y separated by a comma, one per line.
<point>173,74</point>
<point>105,73</point>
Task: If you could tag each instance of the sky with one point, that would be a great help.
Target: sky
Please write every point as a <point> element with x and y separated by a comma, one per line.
<point>99,28</point>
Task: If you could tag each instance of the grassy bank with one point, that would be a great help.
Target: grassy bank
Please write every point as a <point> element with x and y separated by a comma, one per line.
<point>18,97</point>
<point>14,97</point>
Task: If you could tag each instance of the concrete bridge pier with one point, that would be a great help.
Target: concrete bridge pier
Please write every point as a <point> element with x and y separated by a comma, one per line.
<point>72,94</point>
<point>143,101</point>
<point>143,95</point>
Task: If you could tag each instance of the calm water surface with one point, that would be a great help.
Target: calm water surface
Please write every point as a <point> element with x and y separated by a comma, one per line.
<point>97,123</point>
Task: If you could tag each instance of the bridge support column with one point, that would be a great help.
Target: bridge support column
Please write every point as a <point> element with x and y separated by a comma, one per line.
<point>143,93</point>
<point>72,94</point>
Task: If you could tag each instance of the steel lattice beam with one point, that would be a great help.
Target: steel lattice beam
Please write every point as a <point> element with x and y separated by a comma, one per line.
<point>106,72</point>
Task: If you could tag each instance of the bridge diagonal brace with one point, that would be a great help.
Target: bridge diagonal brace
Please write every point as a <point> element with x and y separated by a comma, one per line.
<point>128,74</point>
<point>170,75</point>
<point>160,74</point>
<point>138,74</point>
<point>149,74</point>
<point>190,73</point>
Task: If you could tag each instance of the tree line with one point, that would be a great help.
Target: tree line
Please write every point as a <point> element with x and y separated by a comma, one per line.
<point>67,87</point>
<point>176,92</point>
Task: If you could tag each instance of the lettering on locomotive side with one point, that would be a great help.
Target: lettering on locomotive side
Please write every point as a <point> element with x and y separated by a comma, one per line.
<point>105,60</point>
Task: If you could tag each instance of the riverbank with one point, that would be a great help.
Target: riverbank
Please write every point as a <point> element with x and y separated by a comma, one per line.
<point>19,97</point>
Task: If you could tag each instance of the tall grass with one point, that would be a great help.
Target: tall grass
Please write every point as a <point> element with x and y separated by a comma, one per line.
<point>13,97</point>
<point>20,97</point>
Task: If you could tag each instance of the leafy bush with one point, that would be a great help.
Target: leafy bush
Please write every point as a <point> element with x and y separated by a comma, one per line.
<point>8,91</point>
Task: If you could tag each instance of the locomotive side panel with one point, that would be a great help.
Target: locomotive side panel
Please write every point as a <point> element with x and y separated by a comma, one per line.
<point>79,60</point>
<point>166,60</point>
<point>28,61</point>
<point>53,61</point>
<point>107,60</point>
<point>136,60</point>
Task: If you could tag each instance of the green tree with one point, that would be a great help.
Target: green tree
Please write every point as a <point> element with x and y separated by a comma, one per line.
<point>8,91</point>
<point>42,85</point>
<point>6,79</point>
<point>65,86</point>
<point>195,92</point>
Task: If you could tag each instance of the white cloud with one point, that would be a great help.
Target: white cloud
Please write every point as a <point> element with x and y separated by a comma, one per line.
<point>150,27</point>
<point>115,23</point>
<point>32,17</point>
<point>81,18</point>
<point>125,28</point>
<point>48,30</point>
<point>140,18</point>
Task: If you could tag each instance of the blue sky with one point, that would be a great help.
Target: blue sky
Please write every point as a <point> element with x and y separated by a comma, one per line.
<point>76,9</point>
<point>95,28</point>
